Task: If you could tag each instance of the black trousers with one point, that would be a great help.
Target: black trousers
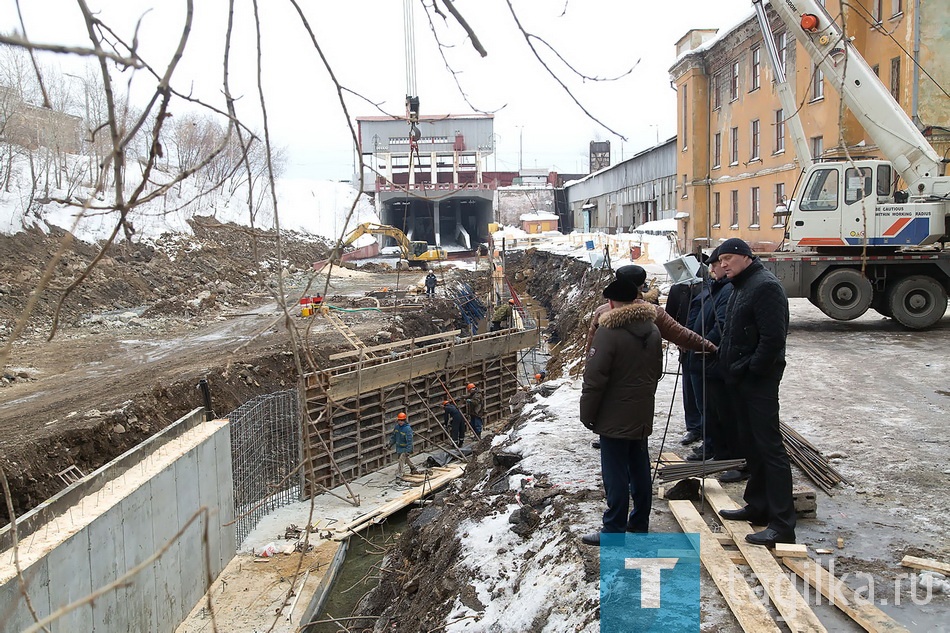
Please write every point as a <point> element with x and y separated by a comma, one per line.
<point>718,416</point>
<point>768,492</point>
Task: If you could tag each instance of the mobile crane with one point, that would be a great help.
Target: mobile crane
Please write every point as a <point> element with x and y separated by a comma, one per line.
<point>871,244</point>
<point>417,253</point>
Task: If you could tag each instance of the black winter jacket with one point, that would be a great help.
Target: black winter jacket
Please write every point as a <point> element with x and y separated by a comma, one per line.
<point>753,343</point>
<point>707,316</point>
<point>623,367</point>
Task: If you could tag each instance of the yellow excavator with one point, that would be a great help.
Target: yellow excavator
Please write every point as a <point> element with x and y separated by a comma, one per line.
<point>418,254</point>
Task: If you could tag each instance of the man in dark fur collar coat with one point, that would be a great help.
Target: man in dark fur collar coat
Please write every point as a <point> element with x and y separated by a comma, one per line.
<point>623,367</point>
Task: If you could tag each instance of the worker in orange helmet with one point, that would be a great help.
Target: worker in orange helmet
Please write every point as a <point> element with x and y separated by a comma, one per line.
<point>501,313</point>
<point>475,408</point>
<point>401,439</point>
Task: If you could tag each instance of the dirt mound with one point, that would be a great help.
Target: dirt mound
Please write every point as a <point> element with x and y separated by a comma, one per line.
<point>185,276</point>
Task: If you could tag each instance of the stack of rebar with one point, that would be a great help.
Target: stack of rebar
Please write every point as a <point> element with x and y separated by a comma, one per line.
<point>675,471</point>
<point>811,462</point>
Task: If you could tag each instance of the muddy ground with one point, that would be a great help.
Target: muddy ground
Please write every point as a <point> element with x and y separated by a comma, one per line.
<point>149,321</point>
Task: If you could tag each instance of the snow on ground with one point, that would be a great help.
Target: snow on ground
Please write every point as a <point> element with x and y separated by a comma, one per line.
<point>518,578</point>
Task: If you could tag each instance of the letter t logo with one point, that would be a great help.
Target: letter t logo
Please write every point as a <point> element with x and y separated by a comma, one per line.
<point>650,578</point>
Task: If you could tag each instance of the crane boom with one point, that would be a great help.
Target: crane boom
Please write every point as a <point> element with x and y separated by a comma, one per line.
<point>886,123</point>
<point>785,94</point>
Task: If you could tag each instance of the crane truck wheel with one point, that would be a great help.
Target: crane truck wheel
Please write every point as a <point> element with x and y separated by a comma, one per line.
<point>843,294</point>
<point>917,302</point>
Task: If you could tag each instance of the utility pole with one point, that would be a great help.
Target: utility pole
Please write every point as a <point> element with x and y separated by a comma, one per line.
<point>520,148</point>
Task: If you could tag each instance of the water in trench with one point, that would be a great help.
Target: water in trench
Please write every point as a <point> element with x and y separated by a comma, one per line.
<point>359,572</point>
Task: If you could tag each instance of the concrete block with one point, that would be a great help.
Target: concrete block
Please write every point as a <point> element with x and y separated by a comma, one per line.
<point>190,558</point>
<point>15,615</point>
<point>110,611</point>
<point>208,496</point>
<point>806,501</point>
<point>137,533</point>
<point>225,481</point>
<point>69,581</point>
<point>167,572</point>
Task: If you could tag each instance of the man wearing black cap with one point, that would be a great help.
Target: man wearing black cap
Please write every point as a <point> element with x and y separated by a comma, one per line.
<point>752,357</point>
<point>668,326</point>
<point>623,367</point>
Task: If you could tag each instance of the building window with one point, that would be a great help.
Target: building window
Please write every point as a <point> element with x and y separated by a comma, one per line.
<point>779,131</point>
<point>734,152</point>
<point>734,85</point>
<point>755,207</point>
<point>755,140</point>
<point>877,10</point>
<point>685,117</point>
<point>716,209</point>
<point>817,147</point>
<point>717,149</point>
<point>779,194</point>
<point>898,8</point>
<point>734,194</point>
<point>817,84</point>
<point>781,43</point>
<point>717,91</point>
<point>896,79</point>
<point>876,69</point>
<point>756,67</point>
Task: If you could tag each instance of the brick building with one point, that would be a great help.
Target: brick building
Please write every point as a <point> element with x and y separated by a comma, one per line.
<point>735,160</point>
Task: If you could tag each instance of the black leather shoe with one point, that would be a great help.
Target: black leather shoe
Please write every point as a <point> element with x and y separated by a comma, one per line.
<point>689,438</point>
<point>595,444</point>
<point>731,476</point>
<point>770,537</point>
<point>591,539</point>
<point>743,514</point>
<point>633,530</point>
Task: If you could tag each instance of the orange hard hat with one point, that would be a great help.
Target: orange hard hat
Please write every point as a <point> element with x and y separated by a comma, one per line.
<point>511,301</point>
<point>537,376</point>
<point>470,386</point>
<point>401,416</point>
<point>445,402</point>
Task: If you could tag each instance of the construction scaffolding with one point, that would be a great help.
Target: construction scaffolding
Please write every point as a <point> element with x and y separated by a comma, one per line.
<point>353,407</point>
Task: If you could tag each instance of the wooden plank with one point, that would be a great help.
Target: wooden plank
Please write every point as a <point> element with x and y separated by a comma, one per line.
<point>747,608</point>
<point>926,564</point>
<point>790,550</point>
<point>793,607</point>
<point>386,346</point>
<point>414,494</point>
<point>858,609</point>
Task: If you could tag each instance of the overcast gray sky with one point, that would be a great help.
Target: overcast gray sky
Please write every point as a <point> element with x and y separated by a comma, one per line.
<point>363,41</point>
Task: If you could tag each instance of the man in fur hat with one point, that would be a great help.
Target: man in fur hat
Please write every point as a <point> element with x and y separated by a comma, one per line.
<point>624,365</point>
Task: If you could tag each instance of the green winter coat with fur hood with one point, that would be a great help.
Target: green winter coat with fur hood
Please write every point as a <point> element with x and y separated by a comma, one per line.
<point>623,368</point>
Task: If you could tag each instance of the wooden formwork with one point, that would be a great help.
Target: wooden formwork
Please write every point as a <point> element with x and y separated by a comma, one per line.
<point>354,406</point>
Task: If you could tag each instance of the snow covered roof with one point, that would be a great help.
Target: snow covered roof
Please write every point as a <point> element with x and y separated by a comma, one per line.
<point>541,215</point>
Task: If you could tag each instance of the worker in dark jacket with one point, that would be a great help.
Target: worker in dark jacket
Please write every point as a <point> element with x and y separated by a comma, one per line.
<point>623,367</point>
<point>431,283</point>
<point>455,422</point>
<point>401,440</point>
<point>474,408</point>
<point>752,359</point>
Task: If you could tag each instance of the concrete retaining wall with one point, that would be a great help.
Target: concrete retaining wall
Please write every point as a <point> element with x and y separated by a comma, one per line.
<point>92,542</point>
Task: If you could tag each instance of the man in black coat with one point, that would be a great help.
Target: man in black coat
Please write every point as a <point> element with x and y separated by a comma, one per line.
<point>752,358</point>
<point>623,367</point>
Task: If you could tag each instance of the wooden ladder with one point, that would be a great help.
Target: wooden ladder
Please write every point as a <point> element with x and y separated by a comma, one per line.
<point>348,334</point>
